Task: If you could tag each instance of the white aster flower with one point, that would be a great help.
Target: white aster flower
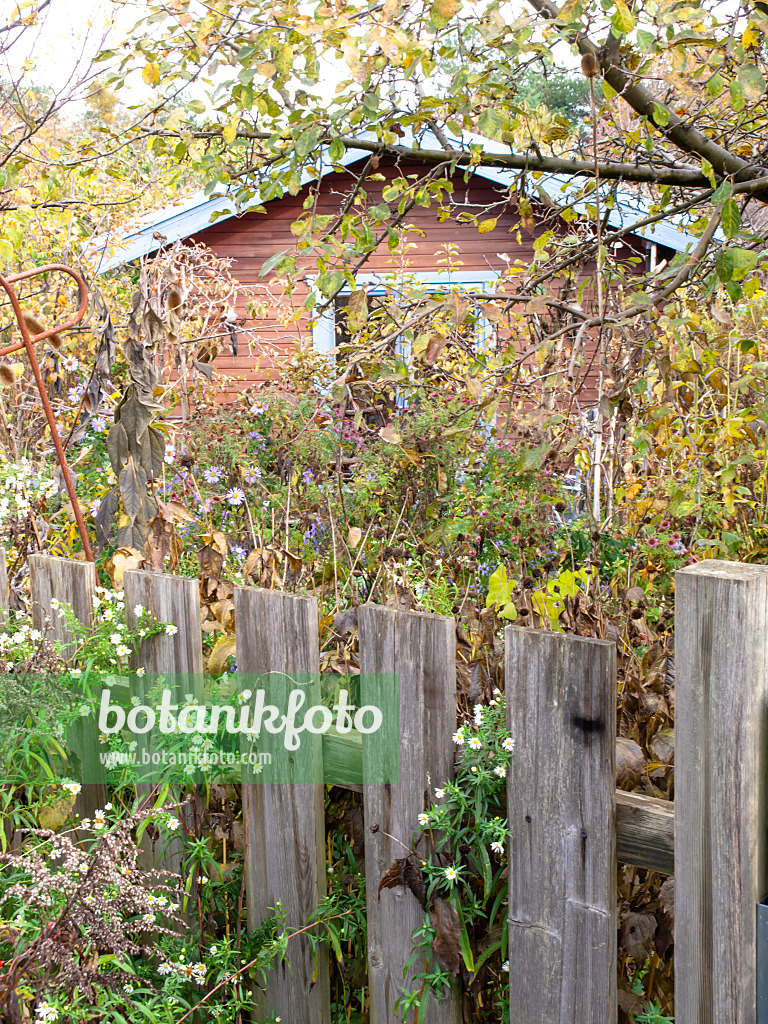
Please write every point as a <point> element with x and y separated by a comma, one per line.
<point>505,967</point>
<point>423,820</point>
<point>439,794</point>
<point>501,771</point>
<point>171,630</point>
<point>475,743</point>
<point>497,848</point>
<point>508,744</point>
<point>451,874</point>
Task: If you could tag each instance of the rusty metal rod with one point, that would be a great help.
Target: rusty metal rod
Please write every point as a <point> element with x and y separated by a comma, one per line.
<point>28,343</point>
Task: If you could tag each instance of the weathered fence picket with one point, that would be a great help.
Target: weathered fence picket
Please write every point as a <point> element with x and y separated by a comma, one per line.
<point>72,583</point>
<point>721,765</point>
<point>561,694</point>
<point>4,593</point>
<point>568,823</point>
<point>420,651</point>
<point>285,823</point>
<point>178,656</point>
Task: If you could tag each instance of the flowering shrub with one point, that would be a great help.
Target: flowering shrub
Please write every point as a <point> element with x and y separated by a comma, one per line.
<point>465,874</point>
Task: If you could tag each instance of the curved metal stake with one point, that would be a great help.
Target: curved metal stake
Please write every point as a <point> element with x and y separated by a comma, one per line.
<point>28,343</point>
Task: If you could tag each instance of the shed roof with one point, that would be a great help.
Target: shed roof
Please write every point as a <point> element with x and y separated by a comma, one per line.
<point>192,215</point>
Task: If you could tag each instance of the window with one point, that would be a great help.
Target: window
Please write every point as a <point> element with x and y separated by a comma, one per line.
<point>330,329</point>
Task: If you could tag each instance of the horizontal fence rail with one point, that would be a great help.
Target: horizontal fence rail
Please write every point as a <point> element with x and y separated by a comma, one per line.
<point>569,824</point>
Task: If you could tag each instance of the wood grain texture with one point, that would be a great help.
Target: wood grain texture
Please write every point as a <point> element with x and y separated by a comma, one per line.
<point>4,594</point>
<point>721,745</point>
<point>67,580</point>
<point>171,599</point>
<point>421,651</point>
<point>73,583</point>
<point>179,657</point>
<point>645,832</point>
<point>561,692</point>
<point>278,633</point>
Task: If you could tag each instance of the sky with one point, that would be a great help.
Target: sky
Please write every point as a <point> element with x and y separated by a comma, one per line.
<point>68,36</point>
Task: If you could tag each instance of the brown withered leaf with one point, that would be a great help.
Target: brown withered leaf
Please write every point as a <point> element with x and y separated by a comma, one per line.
<point>667,898</point>
<point>435,346</point>
<point>629,762</point>
<point>663,746</point>
<point>211,560</point>
<point>405,871</point>
<point>445,920</point>
<point>637,932</point>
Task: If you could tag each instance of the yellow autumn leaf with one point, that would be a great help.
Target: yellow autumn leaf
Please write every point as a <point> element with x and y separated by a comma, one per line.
<point>487,225</point>
<point>230,132</point>
<point>151,74</point>
<point>750,37</point>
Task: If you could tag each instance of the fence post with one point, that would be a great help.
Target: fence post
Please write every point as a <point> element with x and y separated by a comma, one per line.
<point>174,600</point>
<point>4,592</point>
<point>421,650</point>
<point>561,696</point>
<point>285,823</point>
<point>721,760</point>
<point>73,583</point>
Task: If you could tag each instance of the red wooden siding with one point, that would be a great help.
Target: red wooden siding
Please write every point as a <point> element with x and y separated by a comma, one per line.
<point>253,238</point>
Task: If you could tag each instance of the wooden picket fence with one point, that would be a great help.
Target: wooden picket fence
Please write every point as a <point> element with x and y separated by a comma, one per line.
<point>568,823</point>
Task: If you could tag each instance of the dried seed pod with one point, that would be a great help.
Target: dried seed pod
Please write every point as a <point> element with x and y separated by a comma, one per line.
<point>590,65</point>
<point>34,327</point>
<point>7,376</point>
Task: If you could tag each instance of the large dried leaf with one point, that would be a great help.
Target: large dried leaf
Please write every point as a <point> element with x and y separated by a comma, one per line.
<point>637,932</point>
<point>133,489</point>
<point>663,746</point>
<point>406,872</point>
<point>123,559</point>
<point>105,518</point>
<point>223,649</point>
<point>445,920</point>
<point>117,447</point>
<point>629,762</point>
<point>153,452</point>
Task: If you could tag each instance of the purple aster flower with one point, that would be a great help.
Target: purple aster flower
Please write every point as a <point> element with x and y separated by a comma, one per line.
<point>236,496</point>
<point>309,476</point>
<point>206,506</point>
<point>213,475</point>
<point>252,475</point>
<point>238,551</point>
<point>98,423</point>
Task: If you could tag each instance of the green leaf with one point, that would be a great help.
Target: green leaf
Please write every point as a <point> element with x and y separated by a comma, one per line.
<point>489,123</point>
<point>660,115</point>
<point>737,96</point>
<point>499,588</point>
<point>715,84</point>
<point>273,263</point>
<point>735,263</point>
<point>708,171</point>
<point>730,218</point>
<point>751,81</point>
<point>623,20</point>
<point>306,142</point>
<point>723,192</point>
<point>645,40</point>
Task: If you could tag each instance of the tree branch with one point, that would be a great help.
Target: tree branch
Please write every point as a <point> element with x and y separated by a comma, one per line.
<point>643,101</point>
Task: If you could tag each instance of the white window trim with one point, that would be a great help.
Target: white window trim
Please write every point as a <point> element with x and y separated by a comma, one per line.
<point>323,331</point>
